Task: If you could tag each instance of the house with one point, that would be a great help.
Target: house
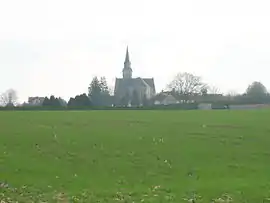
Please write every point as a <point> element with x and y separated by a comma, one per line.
<point>165,98</point>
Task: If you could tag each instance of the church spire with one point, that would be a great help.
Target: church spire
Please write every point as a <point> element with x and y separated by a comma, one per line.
<point>127,56</point>
<point>127,71</point>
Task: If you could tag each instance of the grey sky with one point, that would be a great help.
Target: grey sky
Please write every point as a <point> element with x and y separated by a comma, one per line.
<point>57,46</point>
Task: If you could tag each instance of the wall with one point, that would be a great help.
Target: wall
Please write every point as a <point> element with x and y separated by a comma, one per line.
<point>250,106</point>
<point>205,106</point>
<point>169,100</point>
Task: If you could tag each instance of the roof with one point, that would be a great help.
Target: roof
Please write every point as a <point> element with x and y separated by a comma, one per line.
<point>124,83</point>
<point>161,96</point>
<point>150,82</point>
<point>133,82</point>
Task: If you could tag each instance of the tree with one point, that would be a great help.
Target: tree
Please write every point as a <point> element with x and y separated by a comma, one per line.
<point>256,89</point>
<point>232,95</point>
<point>71,102</point>
<point>209,89</point>
<point>98,91</point>
<point>52,102</point>
<point>204,91</point>
<point>9,98</point>
<point>46,102</point>
<point>105,99</point>
<point>213,90</point>
<point>135,101</point>
<point>104,86</point>
<point>187,84</point>
<point>82,100</point>
<point>111,90</point>
<point>79,101</point>
<point>62,101</point>
<point>256,93</point>
<point>94,91</point>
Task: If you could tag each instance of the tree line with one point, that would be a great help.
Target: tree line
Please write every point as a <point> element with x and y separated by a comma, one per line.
<point>184,85</point>
<point>98,95</point>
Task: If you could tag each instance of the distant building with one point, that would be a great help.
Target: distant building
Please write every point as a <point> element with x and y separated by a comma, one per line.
<point>165,98</point>
<point>127,88</point>
<point>205,106</point>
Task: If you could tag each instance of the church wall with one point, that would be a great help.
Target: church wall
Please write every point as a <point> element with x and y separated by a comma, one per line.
<point>148,92</point>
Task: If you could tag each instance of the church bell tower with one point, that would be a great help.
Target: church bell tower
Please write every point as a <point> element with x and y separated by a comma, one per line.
<point>127,71</point>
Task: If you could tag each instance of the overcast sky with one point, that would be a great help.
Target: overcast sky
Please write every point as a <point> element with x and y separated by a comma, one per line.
<point>57,46</point>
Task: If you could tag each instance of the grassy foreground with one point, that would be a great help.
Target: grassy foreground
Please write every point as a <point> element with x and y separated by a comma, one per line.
<point>135,156</point>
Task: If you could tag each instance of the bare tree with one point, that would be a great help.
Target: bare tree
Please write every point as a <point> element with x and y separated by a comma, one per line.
<point>232,94</point>
<point>213,90</point>
<point>8,98</point>
<point>111,90</point>
<point>187,84</point>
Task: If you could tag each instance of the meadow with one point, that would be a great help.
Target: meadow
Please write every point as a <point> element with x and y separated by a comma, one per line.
<point>135,156</point>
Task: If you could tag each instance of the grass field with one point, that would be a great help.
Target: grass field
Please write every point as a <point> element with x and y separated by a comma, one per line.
<point>134,156</point>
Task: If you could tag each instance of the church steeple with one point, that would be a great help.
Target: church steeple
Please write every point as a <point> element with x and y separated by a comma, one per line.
<point>127,71</point>
<point>127,56</point>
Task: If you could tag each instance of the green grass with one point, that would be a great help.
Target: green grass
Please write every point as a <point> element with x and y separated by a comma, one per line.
<point>134,156</point>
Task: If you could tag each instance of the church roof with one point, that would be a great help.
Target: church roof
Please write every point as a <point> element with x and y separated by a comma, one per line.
<point>150,82</point>
<point>136,82</point>
<point>121,83</point>
<point>132,82</point>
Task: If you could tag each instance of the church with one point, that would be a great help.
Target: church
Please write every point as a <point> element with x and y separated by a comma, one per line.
<point>132,91</point>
